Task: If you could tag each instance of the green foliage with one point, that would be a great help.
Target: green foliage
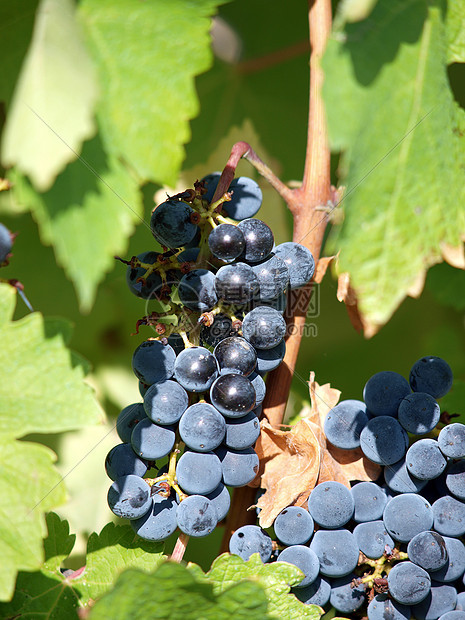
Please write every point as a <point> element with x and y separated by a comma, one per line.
<point>87,215</point>
<point>146,77</point>
<point>456,31</point>
<point>403,161</point>
<point>89,210</point>
<point>109,553</point>
<point>35,364</point>
<point>43,130</point>
<point>276,579</point>
<point>172,592</point>
<point>49,591</point>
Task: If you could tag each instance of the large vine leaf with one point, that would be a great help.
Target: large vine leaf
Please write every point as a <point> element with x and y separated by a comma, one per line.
<point>391,110</point>
<point>173,593</point>
<point>115,549</point>
<point>42,390</point>
<point>46,591</point>
<point>87,215</point>
<point>147,64</point>
<point>275,578</point>
<point>60,595</point>
<point>52,111</point>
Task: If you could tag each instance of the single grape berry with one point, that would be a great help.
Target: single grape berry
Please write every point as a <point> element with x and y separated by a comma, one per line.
<point>299,261</point>
<point>196,516</point>
<point>233,395</point>
<point>263,327</point>
<point>236,284</point>
<point>226,242</point>
<point>250,539</point>
<point>273,277</point>
<point>235,354</point>
<point>196,290</point>
<point>431,374</point>
<point>258,238</point>
<point>171,224</point>
<point>195,369</point>
<point>153,362</point>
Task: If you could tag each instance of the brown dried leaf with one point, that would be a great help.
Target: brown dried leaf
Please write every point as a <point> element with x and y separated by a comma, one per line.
<point>321,268</point>
<point>323,398</point>
<point>291,463</point>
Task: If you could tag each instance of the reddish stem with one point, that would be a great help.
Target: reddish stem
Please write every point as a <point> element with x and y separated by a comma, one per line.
<point>179,548</point>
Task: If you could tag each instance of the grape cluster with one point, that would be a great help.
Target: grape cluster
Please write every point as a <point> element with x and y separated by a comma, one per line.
<point>224,284</point>
<point>394,546</point>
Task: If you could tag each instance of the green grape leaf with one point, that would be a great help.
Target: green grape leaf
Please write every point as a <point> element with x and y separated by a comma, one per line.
<point>59,542</point>
<point>403,171</point>
<point>456,30</point>
<point>87,215</point>
<point>276,579</point>
<point>48,590</point>
<point>52,111</point>
<point>61,595</point>
<point>172,592</point>
<point>25,497</point>
<point>42,391</point>
<point>147,68</point>
<point>115,549</point>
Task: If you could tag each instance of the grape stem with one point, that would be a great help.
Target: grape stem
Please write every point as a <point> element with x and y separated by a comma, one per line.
<point>308,230</point>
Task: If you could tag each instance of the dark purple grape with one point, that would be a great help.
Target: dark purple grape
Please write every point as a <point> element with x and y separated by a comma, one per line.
<point>164,403</point>
<point>235,354</point>
<point>197,290</point>
<point>127,419</point>
<point>129,497</point>
<point>273,277</point>
<point>233,395</point>
<point>122,461</point>
<point>159,522</point>
<point>195,369</point>
<point>269,359</point>
<point>226,242</point>
<point>236,284</point>
<point>431,374</point>
<point>202,427</point>
<point>196,516</point>
<point>171,224</point>
<point>239,466</point>
<point>153,362</point>
<point>263,327</point>
<point>299,261</point>
<point>259,239</point>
